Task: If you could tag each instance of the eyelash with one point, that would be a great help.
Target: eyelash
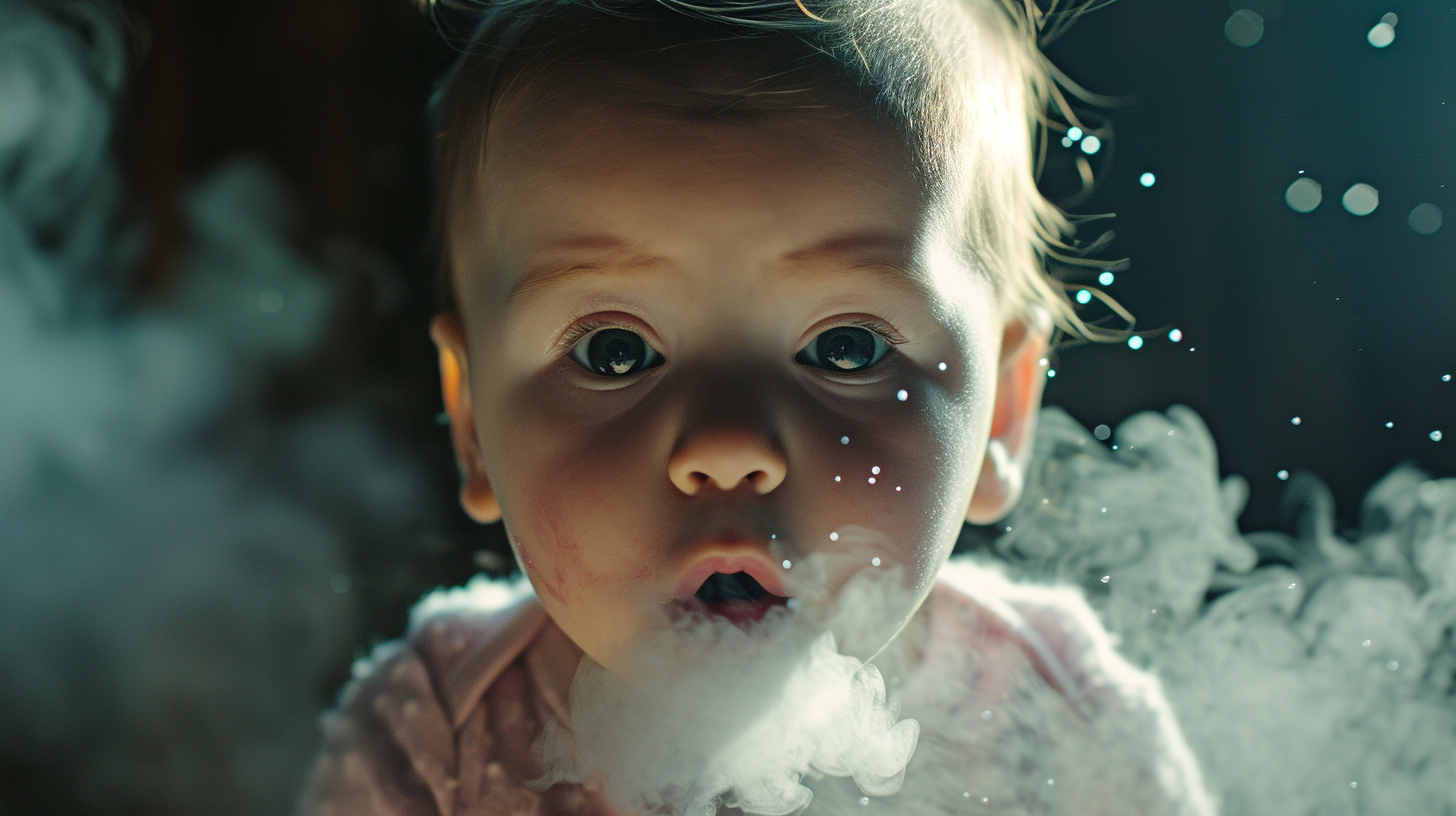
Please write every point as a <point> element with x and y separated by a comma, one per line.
<point>586,326</point>
<point>884,330</point>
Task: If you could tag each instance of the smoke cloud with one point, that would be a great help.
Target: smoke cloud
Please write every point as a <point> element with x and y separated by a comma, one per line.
<point>715,713</point>
<point>174,572</point>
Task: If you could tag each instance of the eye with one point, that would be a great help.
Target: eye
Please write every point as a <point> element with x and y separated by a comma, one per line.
<point>615,353</point>
<point>844,348</point>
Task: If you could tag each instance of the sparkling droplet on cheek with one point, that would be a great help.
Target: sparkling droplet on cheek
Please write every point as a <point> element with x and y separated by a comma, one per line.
<point>875,561</point>
<point>844,440</point>
<point>788,564</point>
<point>834,536</point>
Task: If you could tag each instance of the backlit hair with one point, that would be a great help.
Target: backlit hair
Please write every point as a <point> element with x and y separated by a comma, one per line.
<point>964,80</point>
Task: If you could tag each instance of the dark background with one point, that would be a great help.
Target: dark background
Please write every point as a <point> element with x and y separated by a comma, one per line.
<point>1340,320</point>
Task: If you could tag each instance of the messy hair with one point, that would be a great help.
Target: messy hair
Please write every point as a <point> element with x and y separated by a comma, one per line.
<point>965,81</point>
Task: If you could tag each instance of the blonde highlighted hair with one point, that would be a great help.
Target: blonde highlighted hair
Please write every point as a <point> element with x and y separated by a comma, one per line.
<point>964,80</point>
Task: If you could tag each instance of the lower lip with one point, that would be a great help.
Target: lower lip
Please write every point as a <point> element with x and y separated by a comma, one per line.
<point>739,613</point>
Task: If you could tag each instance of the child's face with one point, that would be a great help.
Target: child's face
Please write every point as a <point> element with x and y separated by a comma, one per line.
<point>690,345</point>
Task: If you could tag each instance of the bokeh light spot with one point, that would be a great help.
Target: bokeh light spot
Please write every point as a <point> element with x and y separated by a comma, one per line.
<point>1295,421</point>
<point>1106,278</point>
<point>1135,342</point>
<point>1176,335</point>
<point>1147,179</point>
<point>1435,436</point>
<point>1283,475</point>
<point>1102,432</point>
<point>1084,296</point>
<point>1361,199</point>
<point>1425,218</point>
<point>1067,141</point>
<point>1091,145</point>
<point>1074,133</point>
<point>1244,28</point>
<point>1381,35</point>
<point>1303,195</point>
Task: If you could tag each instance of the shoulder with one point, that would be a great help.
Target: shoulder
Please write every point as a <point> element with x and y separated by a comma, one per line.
<point>1122,706</point>
<point>389,746</point>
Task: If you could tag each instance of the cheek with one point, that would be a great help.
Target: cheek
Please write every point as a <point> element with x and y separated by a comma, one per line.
<point>897,490</point>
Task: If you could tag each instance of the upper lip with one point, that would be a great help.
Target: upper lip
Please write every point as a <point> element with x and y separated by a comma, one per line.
<point>731,557</point>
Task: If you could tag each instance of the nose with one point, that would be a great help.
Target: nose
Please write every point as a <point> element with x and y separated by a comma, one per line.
<point>726,459</point>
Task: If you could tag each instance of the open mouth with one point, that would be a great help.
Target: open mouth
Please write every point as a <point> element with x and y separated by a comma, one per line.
<point>737,596</point>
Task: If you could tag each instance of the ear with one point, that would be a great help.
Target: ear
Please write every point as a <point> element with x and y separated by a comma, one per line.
<point>476,495</point>
<point>1019,385</point>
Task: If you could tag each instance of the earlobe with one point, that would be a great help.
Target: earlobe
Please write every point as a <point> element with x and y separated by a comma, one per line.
<point>476,495</point>
<point>1019,385</point>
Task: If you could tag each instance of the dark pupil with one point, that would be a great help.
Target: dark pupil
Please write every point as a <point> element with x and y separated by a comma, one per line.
<point>848,348</point>
<point>615,352</point>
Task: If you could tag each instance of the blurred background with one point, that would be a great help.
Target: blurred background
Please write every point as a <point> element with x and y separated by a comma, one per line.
<point>222,477</point>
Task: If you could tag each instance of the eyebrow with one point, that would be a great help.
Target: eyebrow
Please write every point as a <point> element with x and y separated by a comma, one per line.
<point>849,245</point>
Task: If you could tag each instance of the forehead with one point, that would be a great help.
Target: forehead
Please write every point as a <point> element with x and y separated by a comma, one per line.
<point>719,151</point>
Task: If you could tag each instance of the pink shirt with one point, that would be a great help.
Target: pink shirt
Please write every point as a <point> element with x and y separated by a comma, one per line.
<point>1018,685</point>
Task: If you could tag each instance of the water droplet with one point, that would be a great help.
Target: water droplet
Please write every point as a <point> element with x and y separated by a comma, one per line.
<point>1176,335</point>
<point>872,480</point>
<point>1354,784</point>
<point>1051,372</point>
<point>836,478</point>
<point>1295,420</point>
<point>875,470</point>
<point>1365,643</point>
<point>1074,133</point>
<point>1084,296</point>
<point>1244,28</point>
<point>875,561</point>
<point>844,440</point>
<point>788,564</point>
<point>1106,578</point>
<point>986,715</point>
<point>984,800</point>
<point>902,395</point>
<point>1051,781</point>
<point>1104,509</point>
<point>834,536</point>
<point>1435,436</point>
<point>1361,199</point>
<point>1425,218</point>
<point>864,800</point>
<point>1135,342</point>
<point>1390,424</point>
<point>1102,432</point>
<point>1291,586</point>
<point>1091,145</point>
<point>942,366</point>
<point>1147,179</point>
<point>1393,665</point>
<point>967,794</point>
<point>1152,611</point>
<point>773,535</point>
<point>1304,195</point>
<point>1106,278</point>
<point>1381,35</point>
<point>1283,475</point>
<point>897,488</point>
<point>1445,378</point>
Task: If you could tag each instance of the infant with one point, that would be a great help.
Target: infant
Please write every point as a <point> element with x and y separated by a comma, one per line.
<point>748,316</point>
